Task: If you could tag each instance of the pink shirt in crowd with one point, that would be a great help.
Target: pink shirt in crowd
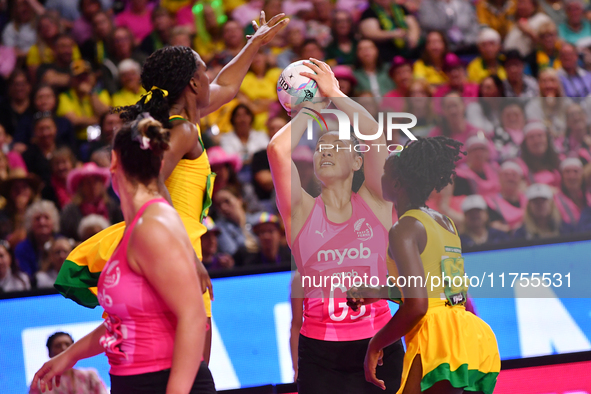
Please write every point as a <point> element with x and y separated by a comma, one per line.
<point>140,25</point>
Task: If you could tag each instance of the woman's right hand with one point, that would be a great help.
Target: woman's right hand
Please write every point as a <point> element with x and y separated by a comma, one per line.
<point>55,367</point>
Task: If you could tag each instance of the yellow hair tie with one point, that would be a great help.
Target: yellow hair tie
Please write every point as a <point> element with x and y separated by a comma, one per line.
<point>148,95</point>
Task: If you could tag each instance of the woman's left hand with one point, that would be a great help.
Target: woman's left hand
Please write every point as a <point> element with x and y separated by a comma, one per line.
<point>373,358</point>
<point>267,30</point>
<point>324,77</point>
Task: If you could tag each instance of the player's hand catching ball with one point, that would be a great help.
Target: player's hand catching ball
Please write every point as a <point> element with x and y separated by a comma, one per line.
<point>328,85</point>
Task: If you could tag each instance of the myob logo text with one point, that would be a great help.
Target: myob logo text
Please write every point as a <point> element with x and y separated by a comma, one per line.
<point>345,129</point>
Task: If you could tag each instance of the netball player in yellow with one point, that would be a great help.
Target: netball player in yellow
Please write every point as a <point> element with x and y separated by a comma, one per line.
<point>178,96</point>
<point>448,350</point>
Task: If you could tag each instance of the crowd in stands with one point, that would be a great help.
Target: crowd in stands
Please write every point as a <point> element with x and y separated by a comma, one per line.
<point>511,79</point>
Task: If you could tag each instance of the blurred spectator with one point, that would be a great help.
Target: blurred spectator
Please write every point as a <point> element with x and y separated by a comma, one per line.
<point>267,228</point>
<point>57,252</point>
<point>41,225</point>
<point>180,36</point>
<point>57,73</point>
<point>260,88</point>
<point>391,26</point>
<point>401,74</point>
<point>319,26</point>
<point>248,12</point>
<point>523,34</point>
<point>575,81</point>
<point>577,137</point>
<point>261,171</point>
<point>62,162</point>
<point>430,65</point>
<point>584,50</point>
<point>479,175</point>
<point>43,146</point>
<point>94,50</point>
<point>74,380</point>
<point>160,36</point>
<point>233,37</point>
<point>554,9</point>
<point>573,195</point>
<point>85,102</point>
<point>206,24</point>
<point>477,231</point>
<point>311,49</point>
<point>7,65</point>
<point>91,225</point>
<point>209,245</point>
<point>497,15</point>
<point>11,277</point>
<point>455,17</point>
<point>517,83</point>
<point>137,18</point>
<point>548,48</point>
<point>420,104</point>
<point>538,154</point>
<point>453,120</point>
<point>347,80</point>
<point>20,32</point>
<point>120,46</point>
<point>109,123</point>
<point>236,235</point>
<point>489,47</point>
<point>576,26</point>
<point>48,31</point>
<point>18,103</point>
<point>456,80</point>
<point>485,114</point>
<point>542,219</point>
<point>44,101</point>
<point>506,208</point>
<point>372,77</point>
<point>14,158</point>
<point>88,185</point>
<point>243,140</point>
<point>218,122</point>
<point>343,48</point>
<point>508,136</point>
<point>295,32</point>
<point>82,29</point>
<point>20,190</point>
<point>227,166</point>
<point>271,8</point>
<point>550,108</point>
<point>131,84</point>
<point>70,9</point>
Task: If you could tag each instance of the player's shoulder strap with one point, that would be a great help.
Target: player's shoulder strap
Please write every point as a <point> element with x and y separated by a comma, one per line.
<point>178,117</point>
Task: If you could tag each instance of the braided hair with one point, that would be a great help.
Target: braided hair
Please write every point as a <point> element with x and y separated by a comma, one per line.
<point>170,69</point>
<point>424,165</point>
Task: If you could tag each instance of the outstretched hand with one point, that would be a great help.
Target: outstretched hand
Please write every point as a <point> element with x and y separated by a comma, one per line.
<point>267,30</point>
<point>328,85</point>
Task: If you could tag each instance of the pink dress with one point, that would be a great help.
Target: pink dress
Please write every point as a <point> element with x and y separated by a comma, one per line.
<point>356,247</point>
<point>140,328</point>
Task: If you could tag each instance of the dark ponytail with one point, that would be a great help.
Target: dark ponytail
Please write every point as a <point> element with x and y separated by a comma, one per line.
<point>165,74</point>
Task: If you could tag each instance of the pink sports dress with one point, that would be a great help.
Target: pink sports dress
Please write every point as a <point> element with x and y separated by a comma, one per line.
<point>355,247</point>
<point>140,328</point>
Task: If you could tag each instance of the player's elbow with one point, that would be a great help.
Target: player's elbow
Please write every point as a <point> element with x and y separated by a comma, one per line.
<point>417,307</point>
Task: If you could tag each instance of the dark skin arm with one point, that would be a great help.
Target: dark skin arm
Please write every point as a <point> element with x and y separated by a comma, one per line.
<point>407,240</point>
<point>182,135</point>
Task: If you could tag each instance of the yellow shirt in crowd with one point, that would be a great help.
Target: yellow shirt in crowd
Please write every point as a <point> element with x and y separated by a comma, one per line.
<point>428,73</point>
<point>36,57</point>
<point>126,97</point>
<point>263,88</point>
<point>477,72</point>
<point>220,117</point>
<point>69,103</point>
<point>500,20</point>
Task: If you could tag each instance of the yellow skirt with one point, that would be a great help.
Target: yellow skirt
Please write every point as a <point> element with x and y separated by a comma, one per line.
<point>454,345</point>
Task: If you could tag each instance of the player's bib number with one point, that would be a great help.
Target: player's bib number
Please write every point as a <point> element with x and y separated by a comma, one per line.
<point>338,308</point>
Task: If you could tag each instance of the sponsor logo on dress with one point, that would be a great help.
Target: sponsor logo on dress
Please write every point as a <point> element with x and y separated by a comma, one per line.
<point>112,278</point>
<point>339,255</point>
<point>364,233</point>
